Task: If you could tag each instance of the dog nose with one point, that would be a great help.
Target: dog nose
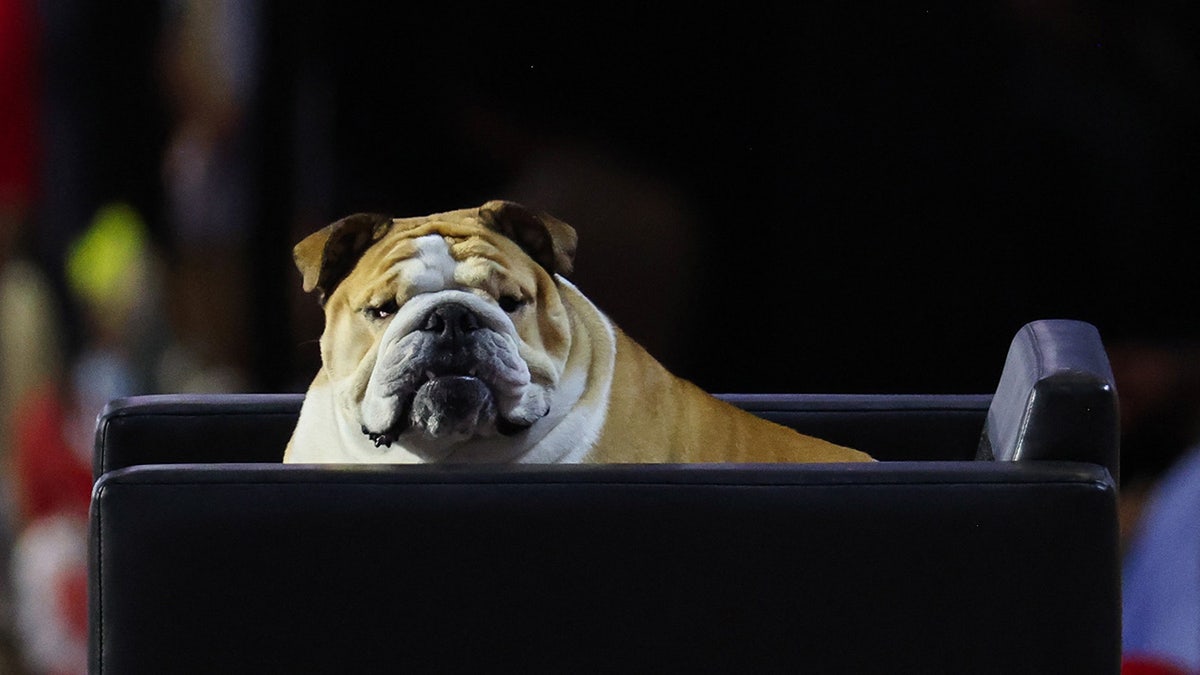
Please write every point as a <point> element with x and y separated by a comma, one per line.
<point>451,321</point>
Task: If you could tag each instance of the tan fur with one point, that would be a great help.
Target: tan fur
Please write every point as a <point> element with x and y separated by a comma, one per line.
<point>654,416</point>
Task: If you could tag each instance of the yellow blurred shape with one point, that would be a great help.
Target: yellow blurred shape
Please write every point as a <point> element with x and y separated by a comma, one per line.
<point>100,262</point>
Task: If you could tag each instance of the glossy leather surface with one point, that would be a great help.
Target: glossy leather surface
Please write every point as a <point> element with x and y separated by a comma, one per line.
<point>906,567</point>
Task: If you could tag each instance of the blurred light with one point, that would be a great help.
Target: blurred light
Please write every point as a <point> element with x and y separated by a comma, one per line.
<point>100,262</point>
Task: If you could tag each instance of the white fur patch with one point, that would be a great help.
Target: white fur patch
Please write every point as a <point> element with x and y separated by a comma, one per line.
<point>432,269</point>
<point>324,434</point>
<point>577,425</point>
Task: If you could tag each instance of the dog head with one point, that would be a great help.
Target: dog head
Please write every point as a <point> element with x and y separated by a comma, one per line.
<point>444,332</point>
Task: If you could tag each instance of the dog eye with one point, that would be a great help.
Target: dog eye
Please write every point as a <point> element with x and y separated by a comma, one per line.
<point>510,303</point>
<point>381,311</point>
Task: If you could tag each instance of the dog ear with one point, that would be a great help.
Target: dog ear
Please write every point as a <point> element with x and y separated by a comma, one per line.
<point>548,240</point>
<point>326,256</point>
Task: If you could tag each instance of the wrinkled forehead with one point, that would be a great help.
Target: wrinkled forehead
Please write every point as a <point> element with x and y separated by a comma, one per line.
<point>433,256</point>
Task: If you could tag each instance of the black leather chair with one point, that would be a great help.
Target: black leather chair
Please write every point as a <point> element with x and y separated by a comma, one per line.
<point>984,542</point>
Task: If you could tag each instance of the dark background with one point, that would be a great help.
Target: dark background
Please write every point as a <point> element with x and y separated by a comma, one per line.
<point>828,197</point>
<point>861,197</point>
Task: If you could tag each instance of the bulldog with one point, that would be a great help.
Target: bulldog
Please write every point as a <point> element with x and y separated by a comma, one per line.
<point>456,337</point>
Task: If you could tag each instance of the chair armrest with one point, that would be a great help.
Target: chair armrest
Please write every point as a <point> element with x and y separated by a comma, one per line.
<point>1056,398</point>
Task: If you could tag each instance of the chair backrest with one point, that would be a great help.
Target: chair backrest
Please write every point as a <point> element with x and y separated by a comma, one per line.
<point>207,428</point>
